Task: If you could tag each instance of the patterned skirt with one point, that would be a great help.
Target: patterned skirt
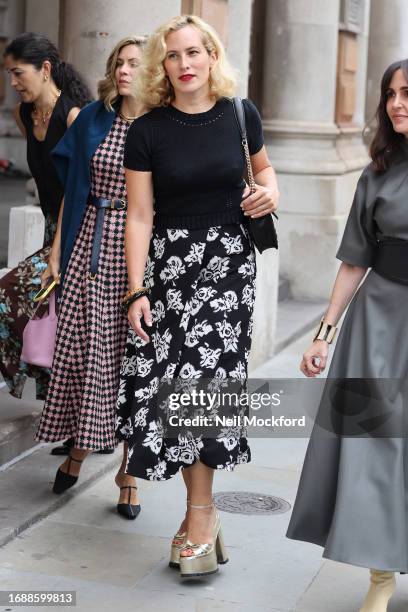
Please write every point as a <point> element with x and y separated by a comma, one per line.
<point>91,336</point>
<point>202,296</point>
<point>17,289</point>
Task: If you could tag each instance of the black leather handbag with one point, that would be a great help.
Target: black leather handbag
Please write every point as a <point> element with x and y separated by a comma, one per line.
<point>261,229</point>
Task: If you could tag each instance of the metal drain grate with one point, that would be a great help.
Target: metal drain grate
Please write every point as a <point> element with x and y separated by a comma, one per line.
<point>245,502</point>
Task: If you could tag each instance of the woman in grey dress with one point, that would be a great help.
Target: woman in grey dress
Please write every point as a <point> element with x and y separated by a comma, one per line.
<point>353,492</point>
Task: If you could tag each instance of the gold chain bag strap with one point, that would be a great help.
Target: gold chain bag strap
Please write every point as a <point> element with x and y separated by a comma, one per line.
<point>262,229</point>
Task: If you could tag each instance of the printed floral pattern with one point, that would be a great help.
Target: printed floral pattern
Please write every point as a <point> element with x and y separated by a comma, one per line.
<point>202,297</point>
<point>17,289</point>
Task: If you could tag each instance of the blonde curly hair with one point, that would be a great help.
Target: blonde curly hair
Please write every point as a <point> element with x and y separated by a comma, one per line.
<point>107,88</point>
<point>155,88</point>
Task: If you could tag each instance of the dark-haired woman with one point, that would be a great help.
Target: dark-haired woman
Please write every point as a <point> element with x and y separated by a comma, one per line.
<point>353,493</point>
<point>52,94</point>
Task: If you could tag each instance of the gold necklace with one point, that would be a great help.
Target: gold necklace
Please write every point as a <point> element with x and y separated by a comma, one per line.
<point>126,118</point>
<point>45,116</point>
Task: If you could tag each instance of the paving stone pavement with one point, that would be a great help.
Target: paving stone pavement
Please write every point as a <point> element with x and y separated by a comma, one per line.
<point>115,564</point>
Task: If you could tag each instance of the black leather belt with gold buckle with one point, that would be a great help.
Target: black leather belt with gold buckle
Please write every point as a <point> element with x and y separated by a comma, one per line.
<point>101,204</point>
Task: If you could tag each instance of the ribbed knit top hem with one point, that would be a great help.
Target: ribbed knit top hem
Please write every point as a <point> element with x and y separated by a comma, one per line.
<point>194,222</point>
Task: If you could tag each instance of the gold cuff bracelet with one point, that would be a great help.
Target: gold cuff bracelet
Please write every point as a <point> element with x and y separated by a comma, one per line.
<point>325,332</point>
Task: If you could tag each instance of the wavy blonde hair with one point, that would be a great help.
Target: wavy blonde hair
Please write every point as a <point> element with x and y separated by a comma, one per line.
<point>107,89</point>
<point>155,88</point>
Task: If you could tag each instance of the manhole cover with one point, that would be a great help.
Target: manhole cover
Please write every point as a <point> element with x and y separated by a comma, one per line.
<point>244,502</point>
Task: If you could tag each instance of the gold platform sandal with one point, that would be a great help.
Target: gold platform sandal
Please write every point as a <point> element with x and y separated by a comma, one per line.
<point>177,543</point>
<point>205,557</point>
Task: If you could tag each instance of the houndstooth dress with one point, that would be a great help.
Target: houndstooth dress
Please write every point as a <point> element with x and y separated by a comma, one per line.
<point>92,327</point>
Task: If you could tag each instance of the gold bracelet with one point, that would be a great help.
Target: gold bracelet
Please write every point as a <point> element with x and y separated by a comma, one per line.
<point>325,332</point>
<point>132,292</point>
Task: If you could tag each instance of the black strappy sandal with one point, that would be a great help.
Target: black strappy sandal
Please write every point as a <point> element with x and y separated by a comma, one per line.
<point>65,481</point>
<point>129,510</point>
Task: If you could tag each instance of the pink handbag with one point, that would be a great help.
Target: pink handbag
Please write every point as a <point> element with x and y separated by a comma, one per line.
<point>39,337</point>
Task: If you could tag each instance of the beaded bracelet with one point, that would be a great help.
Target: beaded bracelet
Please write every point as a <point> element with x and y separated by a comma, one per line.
<point>133,291</point>
<point>134,297</point>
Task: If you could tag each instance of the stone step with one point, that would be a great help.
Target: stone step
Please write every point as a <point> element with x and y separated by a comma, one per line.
<point>25,487</point>
<point>18,424</point>
<point>283,289</point>
<point>295,318</point>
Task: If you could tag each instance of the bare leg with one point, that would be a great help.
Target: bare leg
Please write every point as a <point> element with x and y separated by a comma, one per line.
<point>183,526</point>
<point>200,521</point>
<point>125,480</point>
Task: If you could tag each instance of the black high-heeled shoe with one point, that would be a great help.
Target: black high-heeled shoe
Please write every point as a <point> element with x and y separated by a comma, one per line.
<point>64,481</point>
<point>129,511</point>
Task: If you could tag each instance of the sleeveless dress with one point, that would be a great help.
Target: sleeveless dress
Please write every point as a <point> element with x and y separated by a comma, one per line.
<point>353,493</point>
<point>18,287</point>
<point>92,325</point>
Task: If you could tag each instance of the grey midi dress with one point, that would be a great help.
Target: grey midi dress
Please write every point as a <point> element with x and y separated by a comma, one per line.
<point>352,497</point>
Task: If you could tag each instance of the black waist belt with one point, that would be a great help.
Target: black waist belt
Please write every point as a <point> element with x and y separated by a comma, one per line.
<point>391,260</point>
<point>101,204</point>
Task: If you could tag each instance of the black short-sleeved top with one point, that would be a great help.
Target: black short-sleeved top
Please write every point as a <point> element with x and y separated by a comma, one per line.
<point>197,162</point>
<point>50,190</point>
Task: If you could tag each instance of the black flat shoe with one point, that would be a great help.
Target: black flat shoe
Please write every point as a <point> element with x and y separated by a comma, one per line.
<point>65,481</point>
<point>128,510</point>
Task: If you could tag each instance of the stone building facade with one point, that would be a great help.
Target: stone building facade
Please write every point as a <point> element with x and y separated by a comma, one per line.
<point>312,66</point>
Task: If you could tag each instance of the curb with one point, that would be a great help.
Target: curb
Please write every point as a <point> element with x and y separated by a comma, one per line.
<point>61,500</point>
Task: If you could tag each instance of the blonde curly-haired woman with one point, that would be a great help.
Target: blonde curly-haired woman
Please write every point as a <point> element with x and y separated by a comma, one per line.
<point>88,250</point>
<point>191,282</point>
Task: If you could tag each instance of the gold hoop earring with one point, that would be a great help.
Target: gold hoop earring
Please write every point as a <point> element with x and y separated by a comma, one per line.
<point>45,77</point>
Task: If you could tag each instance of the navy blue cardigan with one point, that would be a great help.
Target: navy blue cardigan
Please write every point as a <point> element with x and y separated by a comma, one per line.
<point>72,157</point>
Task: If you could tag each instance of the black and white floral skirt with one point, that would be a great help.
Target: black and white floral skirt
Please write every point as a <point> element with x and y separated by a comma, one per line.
<point>202,296</point>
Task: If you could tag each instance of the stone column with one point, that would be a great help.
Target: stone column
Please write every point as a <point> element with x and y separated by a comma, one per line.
<point>388,42</point>
<point>91,28</point>
<point>11,24</point>
<point>11,143</point>
<point>318,162</point>
<point>264,332</point>
<point>239,28</point>
<point>42,16</point>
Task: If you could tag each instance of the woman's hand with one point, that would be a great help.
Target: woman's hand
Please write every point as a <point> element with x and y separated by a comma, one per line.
<point>314,360</point>
<point>51,271</point>
<point>262,202</point>
<point>138,310</point>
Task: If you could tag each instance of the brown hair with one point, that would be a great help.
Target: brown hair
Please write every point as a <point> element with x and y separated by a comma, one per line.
<point>387,143</point>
